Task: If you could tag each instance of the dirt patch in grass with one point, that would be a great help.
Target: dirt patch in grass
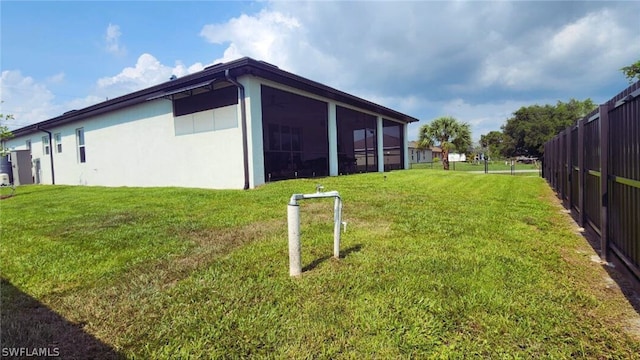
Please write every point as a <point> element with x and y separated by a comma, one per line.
<point>210,244</point>
<point>214,242</point>
<point>131,297</point>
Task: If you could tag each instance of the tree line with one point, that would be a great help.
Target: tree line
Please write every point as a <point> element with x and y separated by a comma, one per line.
<point>524,134</point>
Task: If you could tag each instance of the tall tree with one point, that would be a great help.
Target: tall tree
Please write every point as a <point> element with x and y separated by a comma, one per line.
<point>493,142</point>
<point>632,72</point>
<point>531,126</point>
<point>448,133</point>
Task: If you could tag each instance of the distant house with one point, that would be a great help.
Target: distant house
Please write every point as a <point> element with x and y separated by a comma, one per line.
<point>456,157</point>
<point>418,156</point>
<point>436,152</point>
<point>232,125</point>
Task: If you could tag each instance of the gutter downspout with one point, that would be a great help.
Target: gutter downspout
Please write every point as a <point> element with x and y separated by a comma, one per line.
<point>53,173</point>
<point>243,111</point>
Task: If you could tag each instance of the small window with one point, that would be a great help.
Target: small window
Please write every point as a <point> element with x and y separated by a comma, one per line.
<point>82,156</point>
<point>45,145</point>
<point>28,144</point>
<point>57,140</point>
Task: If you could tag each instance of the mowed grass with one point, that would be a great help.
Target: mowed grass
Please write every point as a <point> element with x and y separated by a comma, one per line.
<point>434,264</point>
<point>466,166</point>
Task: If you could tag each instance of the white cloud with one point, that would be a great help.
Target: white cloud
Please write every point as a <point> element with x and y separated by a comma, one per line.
<point>25,99</point>
<point>56,79</point>
<point>112,40</point>
<point>477,61</point>
<point>422,58</point>
<point>393,47</point>
<point>148,71</point>
<point>270,36</point>
<point>31,101</point>
<point>260,36</point>
<point>583,52</point>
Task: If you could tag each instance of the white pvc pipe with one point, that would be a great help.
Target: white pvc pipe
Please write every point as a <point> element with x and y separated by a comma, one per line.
<point>337,222</point>
<point>293,217</point>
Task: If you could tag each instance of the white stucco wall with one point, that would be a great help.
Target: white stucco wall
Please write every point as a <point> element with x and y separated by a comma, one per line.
<point>138,146</point>
<point>144,145</point>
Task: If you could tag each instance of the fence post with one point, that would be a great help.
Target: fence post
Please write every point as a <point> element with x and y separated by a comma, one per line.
<point>604,180</point>
<point>554,165</point>
<point>569,159</point>
<point>581,172</point>
<point>552,162</point>
<point>563,159</point>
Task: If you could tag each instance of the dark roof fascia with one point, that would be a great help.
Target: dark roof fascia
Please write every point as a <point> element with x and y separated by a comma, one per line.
<point>169,94</point>
<point>210,73</point>
<point>271,72</point>
<point>243,66</point>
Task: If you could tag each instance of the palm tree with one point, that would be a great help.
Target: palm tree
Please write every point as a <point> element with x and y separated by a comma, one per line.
<point>448,133</point>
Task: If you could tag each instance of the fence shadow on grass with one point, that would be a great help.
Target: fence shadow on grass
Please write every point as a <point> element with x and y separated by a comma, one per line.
<point>30,328</point>
<point>343,254</point>
<point>617,270</point>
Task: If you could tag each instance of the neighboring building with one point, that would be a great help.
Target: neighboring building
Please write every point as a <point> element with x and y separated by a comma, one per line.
<point>417,156</point>
<point>233,125</point>
<point>456,157</point>
<point>436,152</point>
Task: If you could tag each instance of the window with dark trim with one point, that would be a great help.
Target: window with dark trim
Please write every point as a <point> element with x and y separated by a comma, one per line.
<point>45,145</point>
<point>57,141</point>
<point>82,156</point>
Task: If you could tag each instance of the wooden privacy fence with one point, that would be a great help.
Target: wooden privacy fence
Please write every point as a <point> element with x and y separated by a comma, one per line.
<point>595,168</point>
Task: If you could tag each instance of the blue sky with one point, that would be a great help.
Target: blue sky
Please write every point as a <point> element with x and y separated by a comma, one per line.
<point>476,61</point>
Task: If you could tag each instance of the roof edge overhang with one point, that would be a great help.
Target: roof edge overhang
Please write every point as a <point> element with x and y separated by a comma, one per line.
<point>271,72</point>
<point>206,77</point>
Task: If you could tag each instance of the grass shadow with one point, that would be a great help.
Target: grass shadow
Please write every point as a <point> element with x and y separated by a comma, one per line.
<point>343,254</point>
<point>30,328</point>
<point>628,283</point>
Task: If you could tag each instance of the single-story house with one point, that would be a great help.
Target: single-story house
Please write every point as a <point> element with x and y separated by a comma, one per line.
<point>232,125</point>
<point>417,155</point>
<point>436,152</point>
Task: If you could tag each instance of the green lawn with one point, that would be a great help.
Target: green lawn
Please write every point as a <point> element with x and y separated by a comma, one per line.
<point>465,166</point>
<point>435,264</point>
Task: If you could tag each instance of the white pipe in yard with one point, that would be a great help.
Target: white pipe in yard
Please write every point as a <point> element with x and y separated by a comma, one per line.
<point>293,219</point>
<point>337,222</point>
